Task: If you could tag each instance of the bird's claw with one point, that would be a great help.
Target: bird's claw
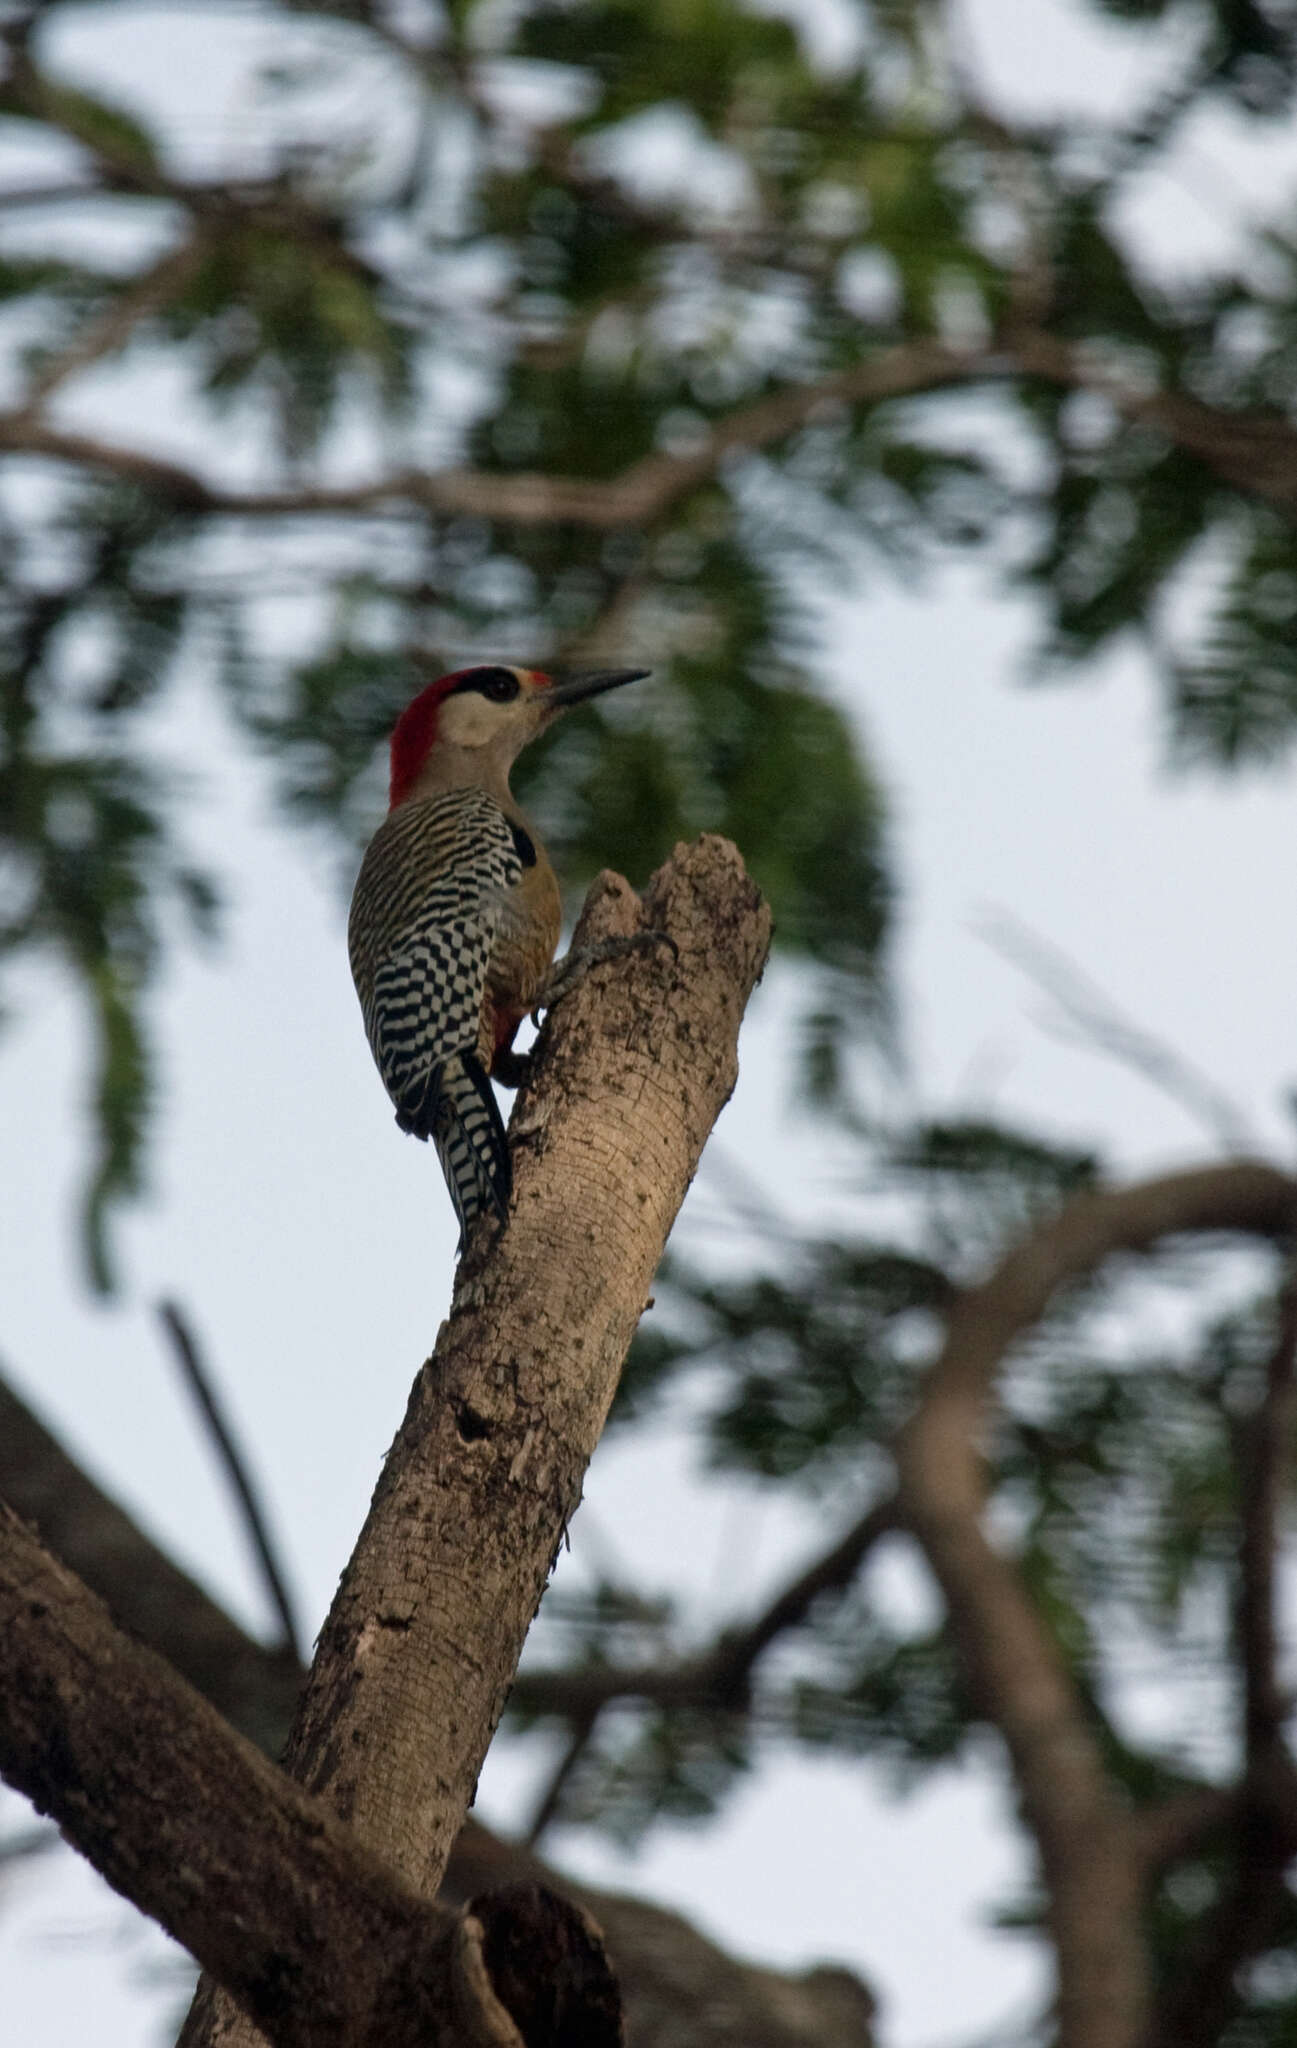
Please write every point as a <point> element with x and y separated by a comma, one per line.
<point>575,966</point>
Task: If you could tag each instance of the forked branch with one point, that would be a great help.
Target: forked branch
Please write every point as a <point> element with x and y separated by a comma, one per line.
<point>677,1986</point>
<point>259,1879</point>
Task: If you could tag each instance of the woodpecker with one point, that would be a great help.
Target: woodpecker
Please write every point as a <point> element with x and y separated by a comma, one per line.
<point>456,914</point>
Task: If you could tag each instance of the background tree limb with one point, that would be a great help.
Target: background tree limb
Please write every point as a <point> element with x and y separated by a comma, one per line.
<point>1087,1847</point>
<point>1255,452</point>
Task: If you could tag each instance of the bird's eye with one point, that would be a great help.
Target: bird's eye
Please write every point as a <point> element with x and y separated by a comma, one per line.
<point>500,686</point>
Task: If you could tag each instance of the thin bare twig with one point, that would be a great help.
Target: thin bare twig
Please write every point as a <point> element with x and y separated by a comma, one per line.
<point>200,1385</point>
<point>62,193</point>
<point>1094,1019</point>
<point>745,1196</point>
<point>547,1806</point>
<point>24,1844</point>
<point>115,324</point>
<point>716,1677</point>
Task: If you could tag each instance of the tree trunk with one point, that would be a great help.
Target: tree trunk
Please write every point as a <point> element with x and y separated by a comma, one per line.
<point>419,1651</point>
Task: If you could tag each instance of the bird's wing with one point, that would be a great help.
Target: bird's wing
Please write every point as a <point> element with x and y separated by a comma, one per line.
<point>428,904</point>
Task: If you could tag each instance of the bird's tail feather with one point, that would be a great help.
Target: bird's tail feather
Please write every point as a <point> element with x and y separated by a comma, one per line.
<point>468,1132</point>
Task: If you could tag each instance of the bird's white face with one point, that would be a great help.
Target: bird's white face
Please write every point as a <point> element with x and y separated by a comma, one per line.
<point>471,726</point>
<point>500,708</point>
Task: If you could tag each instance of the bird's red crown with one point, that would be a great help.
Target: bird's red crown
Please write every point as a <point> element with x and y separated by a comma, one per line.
<point>416,729</point>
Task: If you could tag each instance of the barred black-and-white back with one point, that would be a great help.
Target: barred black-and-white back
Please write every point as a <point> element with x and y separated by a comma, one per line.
<point>428,905</point>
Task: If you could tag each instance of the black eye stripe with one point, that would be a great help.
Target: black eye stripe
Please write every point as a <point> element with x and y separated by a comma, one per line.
<point>499,684</point>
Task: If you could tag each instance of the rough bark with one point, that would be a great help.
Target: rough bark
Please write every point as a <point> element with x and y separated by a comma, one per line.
<point>255,1876</point>
<point>679,1990</point>
<point>1092,1857</point>
<point>421,1646</point>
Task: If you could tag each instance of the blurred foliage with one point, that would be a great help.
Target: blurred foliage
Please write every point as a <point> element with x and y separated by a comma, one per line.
<point>573,241</point>
<point>652,242</point>
<point>1117,1467</point>
<point>819,1367</point>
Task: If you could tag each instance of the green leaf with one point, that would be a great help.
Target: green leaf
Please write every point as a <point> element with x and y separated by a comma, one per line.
<point>102,126</point>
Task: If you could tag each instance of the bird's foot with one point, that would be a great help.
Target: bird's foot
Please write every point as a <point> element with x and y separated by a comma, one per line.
<point>573,967</point>
<point>510,1068</point>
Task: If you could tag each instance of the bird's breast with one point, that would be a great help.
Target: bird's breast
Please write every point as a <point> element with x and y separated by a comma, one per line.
<point>527,937</point>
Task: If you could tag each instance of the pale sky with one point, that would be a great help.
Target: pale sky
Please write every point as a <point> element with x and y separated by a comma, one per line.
<point>313,1245</point>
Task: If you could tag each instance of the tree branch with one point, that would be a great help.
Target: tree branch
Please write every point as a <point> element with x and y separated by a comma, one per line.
<point>257,1878</point>
<point>546,1809</point>
<point>643,491</point>
<point>62,193</point>
<point>716,1680</point>
<point>115,324</point>
<point>717,1677</point>
<point>417,1656</point>
<point>1087,1846</point>
<point>177,1327</point>
<point>1097,1020</point>
<point>1182,1822</point>
<point>1254,452</point>
<point>681,1991</point>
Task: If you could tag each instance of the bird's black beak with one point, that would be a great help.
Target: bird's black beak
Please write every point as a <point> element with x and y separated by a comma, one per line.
<point>565,690</point>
